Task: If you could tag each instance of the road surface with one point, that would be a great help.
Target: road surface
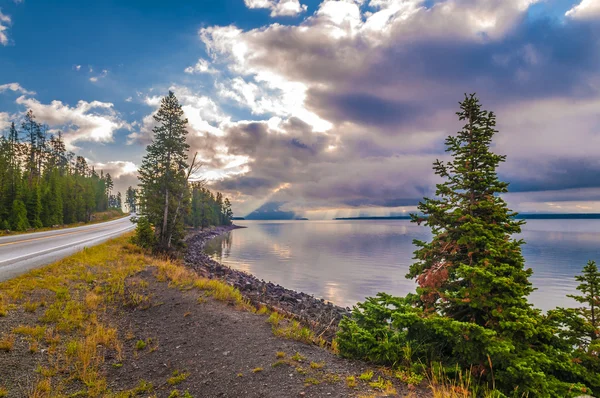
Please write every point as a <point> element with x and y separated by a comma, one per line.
<point>21,253</point>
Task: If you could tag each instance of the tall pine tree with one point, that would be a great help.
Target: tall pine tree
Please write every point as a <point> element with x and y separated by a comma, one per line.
<point>163,173</point>
<point>472,270</point>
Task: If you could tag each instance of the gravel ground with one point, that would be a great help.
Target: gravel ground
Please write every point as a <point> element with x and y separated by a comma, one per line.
<point>222,349</point>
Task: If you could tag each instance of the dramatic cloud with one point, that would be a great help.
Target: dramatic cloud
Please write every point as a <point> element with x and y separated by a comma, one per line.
<point>353,103</point>
<point>16,87</point>
<point>587,9</point>
<point>203,114</point>
<point>87,121</point>
<point>5,22</point>
<point>279,8</point>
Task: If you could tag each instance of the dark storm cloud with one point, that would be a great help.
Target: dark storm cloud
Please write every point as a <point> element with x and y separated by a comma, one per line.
<point>366,109</point>
<point>246,184</point>
<point>542,58</point>
<point>558,174</point>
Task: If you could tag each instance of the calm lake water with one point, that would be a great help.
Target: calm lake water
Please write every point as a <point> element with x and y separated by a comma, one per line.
<point>346,261</point>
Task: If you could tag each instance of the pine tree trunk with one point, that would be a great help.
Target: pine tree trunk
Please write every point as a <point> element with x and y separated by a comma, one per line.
<point>165,218</point>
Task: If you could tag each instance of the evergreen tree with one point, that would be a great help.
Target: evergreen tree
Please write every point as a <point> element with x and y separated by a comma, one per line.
<point>163,173</point>
<point>590,288</point>
<point>18,216</point>
<point>471,307</point>
<point>41,184</point>
<point>131,199</point>
<point>228,213</point>
<point>31,130</point>
<point>472,270</point>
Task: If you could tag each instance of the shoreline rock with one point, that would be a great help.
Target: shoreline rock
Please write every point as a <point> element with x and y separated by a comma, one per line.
<point>321,316</point>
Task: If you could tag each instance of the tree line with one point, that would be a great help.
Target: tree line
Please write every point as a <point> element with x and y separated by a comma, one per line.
<point>168,198</point>
<point>470,318</point>
<point>42,184</point>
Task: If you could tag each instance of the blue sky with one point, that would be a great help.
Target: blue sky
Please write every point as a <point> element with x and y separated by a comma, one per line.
<point>323,107</point>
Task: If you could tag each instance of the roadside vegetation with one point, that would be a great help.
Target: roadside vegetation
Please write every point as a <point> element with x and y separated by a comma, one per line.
<point>469,327</point>
<point>43,185</point>
<point>65,311</point>
<point>96,218</point>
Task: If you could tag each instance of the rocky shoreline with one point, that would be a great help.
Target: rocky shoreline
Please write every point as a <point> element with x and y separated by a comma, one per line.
<point>321,316</point>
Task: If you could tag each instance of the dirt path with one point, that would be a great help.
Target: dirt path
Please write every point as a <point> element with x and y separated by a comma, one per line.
<point>227,353</point>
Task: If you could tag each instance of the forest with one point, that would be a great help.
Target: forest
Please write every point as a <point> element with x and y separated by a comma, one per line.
<point>44,185</point>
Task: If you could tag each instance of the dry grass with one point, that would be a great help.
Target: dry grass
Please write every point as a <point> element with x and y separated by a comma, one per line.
<point>7,342</point>
<point>72,298</point>
<point>462,386</point>
<point>292,329</point>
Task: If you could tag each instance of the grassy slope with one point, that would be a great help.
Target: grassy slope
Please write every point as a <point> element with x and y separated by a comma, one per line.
<point>62,314</point>
<point>75,294</point>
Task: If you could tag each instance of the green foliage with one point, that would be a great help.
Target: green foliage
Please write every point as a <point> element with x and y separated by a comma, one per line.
<point>18,216</point>
<point>131,198</point>
<point>41,184</point>
<point>470,308</point>
<point>206,209</point>
<point>163,174</point>
<point>579,328</point>
<point>166,197</point>
<point>144,234</point>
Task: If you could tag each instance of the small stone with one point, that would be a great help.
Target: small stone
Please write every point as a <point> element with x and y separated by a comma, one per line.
<point>226,353</point>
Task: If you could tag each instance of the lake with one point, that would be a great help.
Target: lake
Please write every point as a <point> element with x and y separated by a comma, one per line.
<point>345,261</point>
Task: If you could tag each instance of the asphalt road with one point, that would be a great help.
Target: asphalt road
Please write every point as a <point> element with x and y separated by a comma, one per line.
<point>21,253</point>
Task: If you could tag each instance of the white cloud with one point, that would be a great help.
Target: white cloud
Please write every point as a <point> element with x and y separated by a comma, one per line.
<point>5,22</point>
<point>587,9</point>
<point>123,173</point>
<point>87,121</point>
<point>279,8</point>
<point>117,168</point>
<point>102,75</point>
<point>202,66</point>
<point>128,99</point>
<point>77,67</point>
<point>203,114</point>
<point>16,87</point>
<point>4,120</point>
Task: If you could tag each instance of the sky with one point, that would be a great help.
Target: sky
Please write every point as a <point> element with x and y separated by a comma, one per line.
<point>317,108</point>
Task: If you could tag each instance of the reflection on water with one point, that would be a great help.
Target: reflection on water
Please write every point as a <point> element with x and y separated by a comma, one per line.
<point>346,261</point>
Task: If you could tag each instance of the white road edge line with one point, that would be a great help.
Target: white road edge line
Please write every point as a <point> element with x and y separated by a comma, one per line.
<point>65,246</point>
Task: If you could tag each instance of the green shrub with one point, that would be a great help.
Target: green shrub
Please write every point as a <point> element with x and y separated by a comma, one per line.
<point>144,234</point>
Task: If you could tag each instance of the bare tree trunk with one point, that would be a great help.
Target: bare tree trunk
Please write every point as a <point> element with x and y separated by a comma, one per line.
<point>187,177</point>
<point>165,218</point>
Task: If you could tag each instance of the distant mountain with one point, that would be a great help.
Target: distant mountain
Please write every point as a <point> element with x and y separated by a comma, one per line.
<point>271,211</point>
